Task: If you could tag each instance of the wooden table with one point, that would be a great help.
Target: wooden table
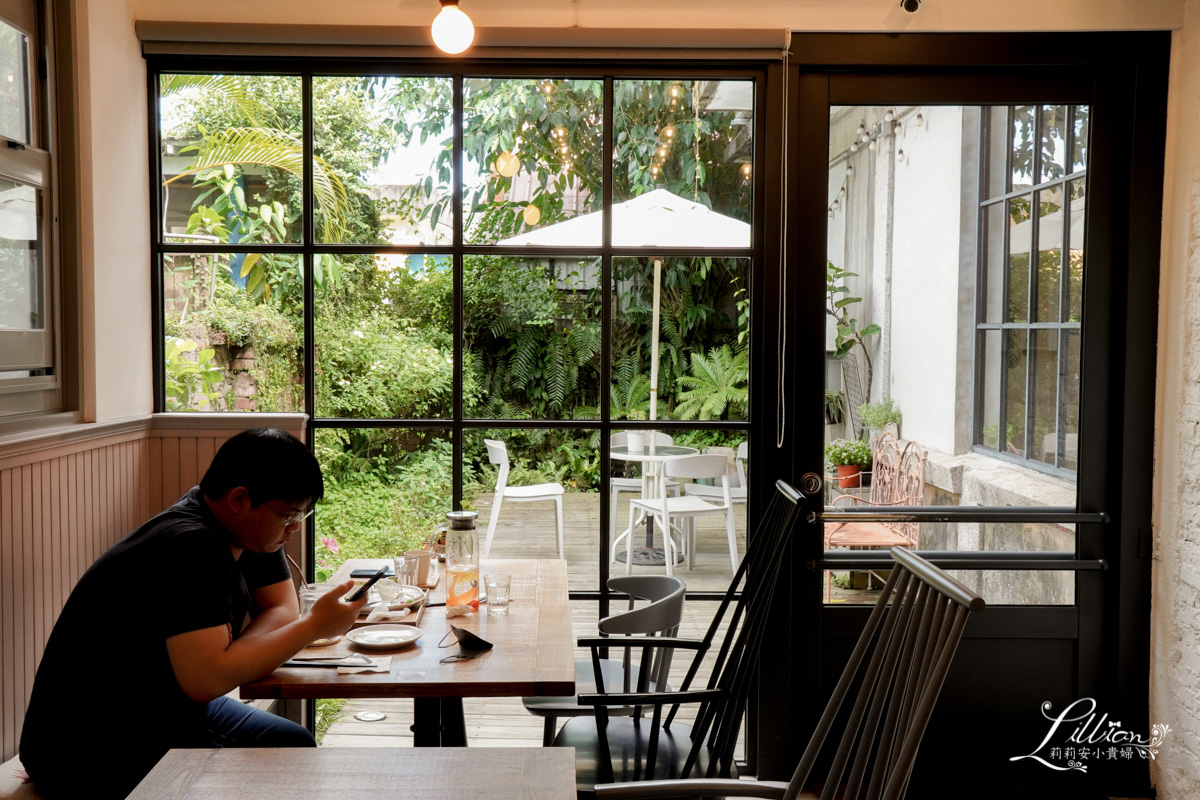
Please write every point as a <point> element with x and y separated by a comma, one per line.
<point>362,773</point>
<point>534,654</point>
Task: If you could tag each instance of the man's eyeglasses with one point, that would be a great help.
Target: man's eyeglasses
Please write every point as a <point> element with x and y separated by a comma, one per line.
<point>296,517</point>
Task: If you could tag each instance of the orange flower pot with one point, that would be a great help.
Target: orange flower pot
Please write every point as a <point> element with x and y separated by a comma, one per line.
<point>849,476</point>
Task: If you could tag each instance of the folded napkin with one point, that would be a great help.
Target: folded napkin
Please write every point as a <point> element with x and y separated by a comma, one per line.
<point>457,611</point>
<point>388,615</point>
<point>380,664</point>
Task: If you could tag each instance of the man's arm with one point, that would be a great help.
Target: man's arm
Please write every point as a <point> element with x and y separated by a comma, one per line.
<point>278,606</point>
<point>207,664</point>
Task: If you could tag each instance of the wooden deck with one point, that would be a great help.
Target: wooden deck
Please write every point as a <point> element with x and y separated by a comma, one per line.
<point>526,530</point>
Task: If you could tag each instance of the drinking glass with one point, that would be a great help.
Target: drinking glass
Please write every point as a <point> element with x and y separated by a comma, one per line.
<point>498,590</point>
<point>309,593</point>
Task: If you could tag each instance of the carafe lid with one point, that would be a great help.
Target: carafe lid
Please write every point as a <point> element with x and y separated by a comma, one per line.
<point>462,520</point>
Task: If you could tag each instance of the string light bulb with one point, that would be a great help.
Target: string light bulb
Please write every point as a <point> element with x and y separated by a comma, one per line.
<point>746,169</point>
<point>862,128</point>
<point>873,145</point>
<point>452,30</point>
<point>900,154</point>
<point>668,132</point>
<point>920,120</point>
<point>849,169</point>
<point>889,116</point>
<point>854,147</point>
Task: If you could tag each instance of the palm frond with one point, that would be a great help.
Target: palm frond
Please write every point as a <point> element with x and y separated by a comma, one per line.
<point>274,148</point>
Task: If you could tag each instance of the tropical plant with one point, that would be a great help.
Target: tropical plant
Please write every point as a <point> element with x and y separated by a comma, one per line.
<point>191,381</point>
<point>716,386</point>
<point>838,303</point>
<point>875,415</point>
<point>835,407</point>
<point>848,452</point>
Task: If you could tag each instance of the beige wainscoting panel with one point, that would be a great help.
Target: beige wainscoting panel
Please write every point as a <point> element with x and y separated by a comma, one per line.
<point>67,496</point>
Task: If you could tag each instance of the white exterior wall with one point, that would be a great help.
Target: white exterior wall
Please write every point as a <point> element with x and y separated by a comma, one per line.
<point>925,278</point>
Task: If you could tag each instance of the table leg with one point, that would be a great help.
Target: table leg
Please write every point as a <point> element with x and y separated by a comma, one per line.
<point>439,722</point>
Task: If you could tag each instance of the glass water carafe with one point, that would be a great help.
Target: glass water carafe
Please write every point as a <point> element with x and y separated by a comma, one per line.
<point>462,560</point>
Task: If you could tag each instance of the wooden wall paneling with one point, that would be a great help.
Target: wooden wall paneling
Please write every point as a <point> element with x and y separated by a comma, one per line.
<point>170,473</point>
<point>24,637</point>
<point>154,486</point>
<point>46,583</point>
<point>8,698</point>
<point>73,540</point>
<point>206,448</point>
<point>57,526</point>
<point>35,559</point>
<point>187,463</point>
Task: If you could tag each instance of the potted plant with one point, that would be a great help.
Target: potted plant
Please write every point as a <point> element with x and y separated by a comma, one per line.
<point>851,457</point>
<point>881,415</point>
<point>835,408</point>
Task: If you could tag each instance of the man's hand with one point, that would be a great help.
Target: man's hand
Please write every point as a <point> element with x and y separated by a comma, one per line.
<point>331,615</point>
<point>207,664</point>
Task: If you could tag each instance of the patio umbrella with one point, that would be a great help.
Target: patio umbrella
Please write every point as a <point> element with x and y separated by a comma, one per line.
<point>654,219</point>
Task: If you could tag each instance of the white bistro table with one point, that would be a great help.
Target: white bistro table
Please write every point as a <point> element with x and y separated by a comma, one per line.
<point>651,457</point>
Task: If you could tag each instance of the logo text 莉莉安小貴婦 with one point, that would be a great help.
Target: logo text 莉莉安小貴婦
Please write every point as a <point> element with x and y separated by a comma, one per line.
<point>1078,735</point>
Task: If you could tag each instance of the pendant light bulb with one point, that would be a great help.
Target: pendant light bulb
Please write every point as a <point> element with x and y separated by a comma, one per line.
<point>452,29</point>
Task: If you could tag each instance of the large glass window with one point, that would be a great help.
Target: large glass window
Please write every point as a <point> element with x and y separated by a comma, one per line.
<point>1031,275</point>
<point>431,262</point>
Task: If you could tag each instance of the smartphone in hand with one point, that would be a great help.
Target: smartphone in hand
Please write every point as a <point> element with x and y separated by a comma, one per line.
<point>370,582</point>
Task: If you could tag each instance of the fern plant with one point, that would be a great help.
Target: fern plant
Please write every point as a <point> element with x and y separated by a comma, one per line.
<point>717,385</point>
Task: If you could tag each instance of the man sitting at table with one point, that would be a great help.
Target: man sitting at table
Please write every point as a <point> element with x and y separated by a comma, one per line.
<point>194,603</point>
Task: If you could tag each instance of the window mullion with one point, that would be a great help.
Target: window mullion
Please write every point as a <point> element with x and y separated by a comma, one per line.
<point>456,267</point>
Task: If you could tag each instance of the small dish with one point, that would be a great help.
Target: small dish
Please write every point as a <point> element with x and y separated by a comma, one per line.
<point>384,636</point>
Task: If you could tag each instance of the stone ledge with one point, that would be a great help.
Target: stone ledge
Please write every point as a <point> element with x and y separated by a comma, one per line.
<point>990,481</point>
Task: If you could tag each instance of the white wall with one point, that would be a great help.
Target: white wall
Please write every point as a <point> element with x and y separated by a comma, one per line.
<point>116,205</point>
<point>1175,678</point>
<point>925,277</point>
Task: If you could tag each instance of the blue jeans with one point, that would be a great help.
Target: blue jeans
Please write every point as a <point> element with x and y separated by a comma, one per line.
<point>231,723</point>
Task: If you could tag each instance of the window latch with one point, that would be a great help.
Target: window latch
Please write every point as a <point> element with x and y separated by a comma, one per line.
<point>15,146</point>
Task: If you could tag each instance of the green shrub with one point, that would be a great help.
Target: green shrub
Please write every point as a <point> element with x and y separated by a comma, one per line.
<point>847,452</point>
<point>882,412</point>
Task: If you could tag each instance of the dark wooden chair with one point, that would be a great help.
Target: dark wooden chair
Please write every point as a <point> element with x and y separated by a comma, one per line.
<point>898,665</point>
<point>633,748</point>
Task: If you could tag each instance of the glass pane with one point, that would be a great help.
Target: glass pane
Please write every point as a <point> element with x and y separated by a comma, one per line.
<point>1079,127</point>
<point>1055,126</point>
<point>22,285</point>
<point>531,161</point>
<point>233,345</point>
<point>1075,233</point>
<point>15,106</point>
<point>639,459</point>
<point>995,125</point>
<point>1070,444</point>
<point>232,161</point>
<point>702,340</point>
<point>994,228</point>
<point>992,358</point>
<point>1015,359</point>
<point>390,142</point>
<point>386,491</point>
<point>565,459</point>
<point>682,163</point>
<point>1045,394</point>
<point>384,347</point>
<point>1020,237</point>
<point>531,333</point>
<point>1022,138</point>
<point>1049,254</point>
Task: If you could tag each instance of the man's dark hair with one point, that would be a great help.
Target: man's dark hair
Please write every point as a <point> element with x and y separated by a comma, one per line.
<point>271,464</point>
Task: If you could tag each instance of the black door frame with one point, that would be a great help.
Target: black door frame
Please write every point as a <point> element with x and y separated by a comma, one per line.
<point>1107,631</point>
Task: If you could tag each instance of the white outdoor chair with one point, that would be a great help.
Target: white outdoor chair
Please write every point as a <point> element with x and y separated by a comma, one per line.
<point>737,491</point>
<point>665,509</point>
<point>618,485</point>
<point>498,454</point>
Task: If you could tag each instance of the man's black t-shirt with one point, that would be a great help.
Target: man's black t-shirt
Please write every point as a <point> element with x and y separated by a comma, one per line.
<point>105,699</point>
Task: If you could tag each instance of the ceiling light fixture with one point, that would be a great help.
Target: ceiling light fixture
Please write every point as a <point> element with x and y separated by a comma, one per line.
<point>452,29</point>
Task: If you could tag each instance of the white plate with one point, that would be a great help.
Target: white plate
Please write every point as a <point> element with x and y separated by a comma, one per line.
<point>384,636</point>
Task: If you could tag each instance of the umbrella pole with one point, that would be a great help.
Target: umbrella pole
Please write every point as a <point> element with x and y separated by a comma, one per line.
<point>654,338</point>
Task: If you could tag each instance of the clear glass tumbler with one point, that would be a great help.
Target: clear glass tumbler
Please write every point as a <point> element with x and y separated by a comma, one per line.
<point>499,588</point>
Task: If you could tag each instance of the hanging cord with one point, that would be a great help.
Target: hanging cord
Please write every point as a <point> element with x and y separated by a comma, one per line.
<point>781,406</point>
